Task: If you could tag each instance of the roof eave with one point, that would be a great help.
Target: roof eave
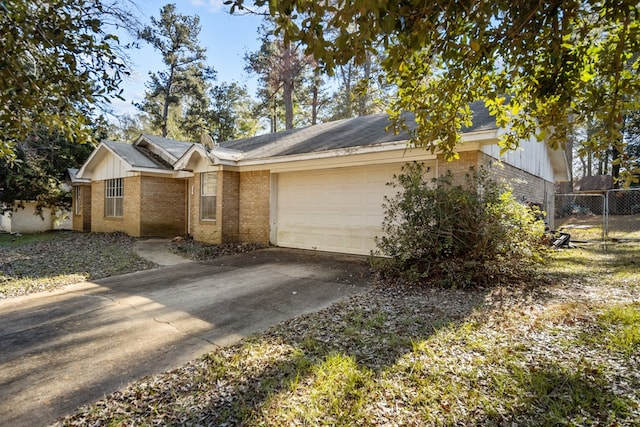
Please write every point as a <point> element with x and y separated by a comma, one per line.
<point>483,136</point>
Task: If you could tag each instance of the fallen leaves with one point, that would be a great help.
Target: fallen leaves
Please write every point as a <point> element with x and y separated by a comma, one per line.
<point>66,259</point>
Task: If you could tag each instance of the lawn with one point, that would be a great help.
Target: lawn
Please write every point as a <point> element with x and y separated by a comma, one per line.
<point>560,350</point>
<point>590,227</point>
<point>45,261</point>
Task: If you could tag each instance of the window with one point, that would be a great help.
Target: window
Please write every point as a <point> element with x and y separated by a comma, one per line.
<point>78,199</point>
<point>208,183</point>
<point>113,197</point>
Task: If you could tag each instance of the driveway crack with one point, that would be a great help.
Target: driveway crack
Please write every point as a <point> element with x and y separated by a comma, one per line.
<point>154,318</point>
<point>182,331</point>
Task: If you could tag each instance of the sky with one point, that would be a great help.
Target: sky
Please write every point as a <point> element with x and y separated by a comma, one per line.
<point>226,37</point>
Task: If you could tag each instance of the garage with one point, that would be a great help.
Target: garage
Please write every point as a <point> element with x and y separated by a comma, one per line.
<point>335,210</point>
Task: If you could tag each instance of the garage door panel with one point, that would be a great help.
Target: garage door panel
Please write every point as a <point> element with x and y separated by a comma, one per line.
<point>338,210</point>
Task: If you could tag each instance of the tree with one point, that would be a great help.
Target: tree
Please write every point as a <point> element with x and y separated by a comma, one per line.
<point>230,114</point>
<point>185,80</point>
<point>279,64</point>
<point>38,174</point>
<point>58,64</point>
<point>129,127</point>
<point>534,63</point>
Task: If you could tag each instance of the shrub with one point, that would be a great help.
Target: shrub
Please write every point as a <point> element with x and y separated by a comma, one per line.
<point>459,235</point>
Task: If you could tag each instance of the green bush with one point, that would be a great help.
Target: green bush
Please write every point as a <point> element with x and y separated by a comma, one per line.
<point>458,235</point>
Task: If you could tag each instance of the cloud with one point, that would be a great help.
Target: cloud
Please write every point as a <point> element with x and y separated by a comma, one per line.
<point>211,5</point>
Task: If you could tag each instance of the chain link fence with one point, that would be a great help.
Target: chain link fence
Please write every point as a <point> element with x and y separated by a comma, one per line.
<point>623,214</point>
<point>611,216</point>
<point>583,216</point>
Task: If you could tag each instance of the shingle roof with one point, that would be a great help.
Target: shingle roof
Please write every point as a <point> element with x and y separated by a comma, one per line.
<point>73,176</point>
<point>359,131</point>
<point>134,156</point>
<point>173,147</point>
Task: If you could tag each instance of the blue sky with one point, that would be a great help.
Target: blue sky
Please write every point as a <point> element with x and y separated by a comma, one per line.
<point>226,37</point>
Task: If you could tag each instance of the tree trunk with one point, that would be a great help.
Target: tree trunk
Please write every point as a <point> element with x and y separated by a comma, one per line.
<point>615,166</point>
<point>287,86</point>
<point>314,103</point>
<point>165,107</point>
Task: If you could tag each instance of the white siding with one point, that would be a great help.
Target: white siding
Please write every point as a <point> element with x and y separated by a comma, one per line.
<point>110,167</point>
<point>532,157</point>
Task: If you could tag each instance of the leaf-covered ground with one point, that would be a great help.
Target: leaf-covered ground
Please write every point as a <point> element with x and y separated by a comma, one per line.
<point>199,251</point>
<point>47,261</point>
<point>560,351</point>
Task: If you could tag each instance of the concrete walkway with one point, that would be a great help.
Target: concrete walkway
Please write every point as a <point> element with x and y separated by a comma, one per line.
<point>60,350</point>
<point>157,251</point>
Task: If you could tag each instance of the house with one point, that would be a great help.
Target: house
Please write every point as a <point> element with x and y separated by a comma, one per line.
<point>319,187</point>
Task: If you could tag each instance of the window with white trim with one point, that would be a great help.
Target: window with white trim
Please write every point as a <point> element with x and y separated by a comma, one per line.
<point>78,196</point>
<point>113,197</point>
<point>208,184</point>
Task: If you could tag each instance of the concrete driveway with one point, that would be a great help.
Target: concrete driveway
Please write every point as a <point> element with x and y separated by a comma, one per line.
<point>60,350</point>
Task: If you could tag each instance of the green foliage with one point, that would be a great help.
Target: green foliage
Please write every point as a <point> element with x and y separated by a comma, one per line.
<point>58,64</point>
<point>459,234</point>
<point>185,80</point>
<point>280,67</point>
<point>539,66</point>
<point>230,114</point>
<point>39,169</point>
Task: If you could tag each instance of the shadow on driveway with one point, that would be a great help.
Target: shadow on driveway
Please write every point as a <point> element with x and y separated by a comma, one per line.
<point>64,349</point>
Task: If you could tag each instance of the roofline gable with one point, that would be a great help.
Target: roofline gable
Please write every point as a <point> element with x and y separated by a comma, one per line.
<point>92,158</point>
<point>182,162</point>
<point>158,150</point>
<point>217,155</point>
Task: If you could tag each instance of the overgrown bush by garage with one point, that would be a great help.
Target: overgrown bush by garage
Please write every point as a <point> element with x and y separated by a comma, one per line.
<point>453,234</point>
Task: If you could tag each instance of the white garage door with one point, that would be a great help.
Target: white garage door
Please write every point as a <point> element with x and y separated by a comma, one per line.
<point>336,210</point>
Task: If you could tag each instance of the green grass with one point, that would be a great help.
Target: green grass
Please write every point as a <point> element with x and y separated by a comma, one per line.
<point>618,329</point>
<point>616,264</point>
<point>13,241</point>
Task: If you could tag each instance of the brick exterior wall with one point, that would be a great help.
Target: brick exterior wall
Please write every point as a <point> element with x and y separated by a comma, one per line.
<point>162,207</point>
<point>458,167</point>
<point>130,221</point>
<point>255,189</point>
<point>230,206</point>
<point>527,188</point>
<point>242,208</point>
<point>207,231</point>
<point>82,221</point>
